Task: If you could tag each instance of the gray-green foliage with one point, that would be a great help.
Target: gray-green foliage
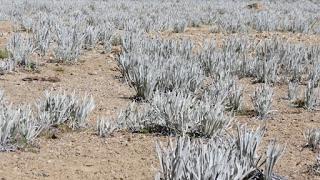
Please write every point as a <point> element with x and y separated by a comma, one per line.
<point>310,96</point>
<point>159,65</point>
<point>262,100</point>
<point>274,153</point>
<point>221,157</point>
<point>234,98</point>
<point>229,16</point>
<point>91,37</point>
<point>266,62</point>
<point>41,36</point>
<point>65,108</point>
<point>18,126</point>
<point>293,92</point>
<point>4,54</point>
<point>53,25</point>
<point>105,127</point>
<point>168,74</point>
<point>76,25</point>
<point>269,60</point>
<point>6,65</point>
<point>69,43</point>
<point>177,113</point>
<point>313,138</point>
<point>179,27</point>
<point>20,50</point>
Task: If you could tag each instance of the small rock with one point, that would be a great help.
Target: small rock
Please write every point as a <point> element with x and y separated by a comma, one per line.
<point>89,165</point>
<point>255,6</point>
<point>93,73</point>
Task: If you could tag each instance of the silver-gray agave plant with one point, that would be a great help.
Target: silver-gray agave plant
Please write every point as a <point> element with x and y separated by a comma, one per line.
<point>262,100</point>
<point>65,108</point>
<point>220,157</point>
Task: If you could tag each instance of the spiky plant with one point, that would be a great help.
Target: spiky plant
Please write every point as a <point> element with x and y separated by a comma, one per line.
<point>179,27</point>
<point>8,122</point>
<point>7,65</point>
<point>105,127</point>
<point>20,50</point>
<point>29,127</point>
<point>262,100</point>
<point>135,119</point>
<point>310,96</point>
<point>177,113</point>
<point>41,36</point>
<point>91,37</point>
<point>18,127</point>
<point>234,98</point>
<point>315,168</point>
<point>313,138</point>
<point>116,40</point>
<point>221,157</point>
<point>266,69</point>
<point>274,152</point>
<point>159,65</point>
<point>69,43</point>
<point>63,108</point>
<point>293,92</point>
<point>215,120</point>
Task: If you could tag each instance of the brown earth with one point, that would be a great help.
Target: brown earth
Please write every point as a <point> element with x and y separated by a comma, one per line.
<point>83,155</point>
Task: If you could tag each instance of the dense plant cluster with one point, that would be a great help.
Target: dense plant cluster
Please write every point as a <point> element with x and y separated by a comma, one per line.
<point>201,107</point>
<point>19,126</point>
<point>221,157</point>
<point>69,27</point>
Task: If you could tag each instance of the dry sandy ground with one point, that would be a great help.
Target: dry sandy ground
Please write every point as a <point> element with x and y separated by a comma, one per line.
<point>83,155</point>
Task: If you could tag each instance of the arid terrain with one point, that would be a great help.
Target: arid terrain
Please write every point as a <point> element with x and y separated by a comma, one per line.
<point>83,154</point>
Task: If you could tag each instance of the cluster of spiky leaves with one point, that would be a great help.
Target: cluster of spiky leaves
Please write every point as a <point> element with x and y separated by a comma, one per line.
<point>221,157</point>
<point>19,126</point>
<point>313,138</point>
<point>262,100</point>
<point>67,27</point>
<point>65,108</point>
<point>105,127</point>
<point>20,50</point>
<point>168,74</point>
<point>201,111</point>
<point>176,113</point>
<point>227,16</point>
<point>151,65</point>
